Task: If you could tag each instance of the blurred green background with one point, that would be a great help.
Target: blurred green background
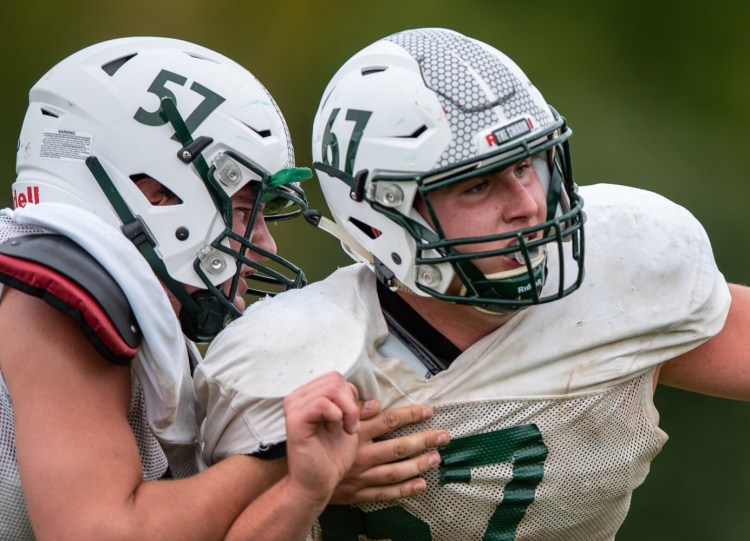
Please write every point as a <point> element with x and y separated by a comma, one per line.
<point>655,91</point>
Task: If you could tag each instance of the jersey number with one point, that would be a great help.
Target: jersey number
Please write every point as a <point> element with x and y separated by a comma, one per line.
<point>523,445</point>
<point>211,100</point>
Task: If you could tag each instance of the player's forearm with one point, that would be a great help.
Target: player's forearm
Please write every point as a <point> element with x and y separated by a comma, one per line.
<point>201,507</point>
<point>282,513</point>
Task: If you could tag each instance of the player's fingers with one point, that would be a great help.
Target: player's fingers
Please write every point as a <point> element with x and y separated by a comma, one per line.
<point>385,451</point>
<point>328,398</point>
<point>343,406</point>
<point>385,493</point>
<point>397,472</point>
<point>368,408</point>
<point>393,418</point>
<point>350,408</point>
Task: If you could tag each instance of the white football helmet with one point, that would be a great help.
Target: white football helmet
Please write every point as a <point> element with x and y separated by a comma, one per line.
<point>424,109</point>
<point>190,118</point>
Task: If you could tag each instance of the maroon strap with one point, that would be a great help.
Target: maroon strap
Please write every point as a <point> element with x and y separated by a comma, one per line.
<point>68,296</point>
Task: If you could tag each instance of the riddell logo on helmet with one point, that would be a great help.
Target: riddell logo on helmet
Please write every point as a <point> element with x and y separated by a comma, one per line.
<point>506,133</point>
<point>31,195</point>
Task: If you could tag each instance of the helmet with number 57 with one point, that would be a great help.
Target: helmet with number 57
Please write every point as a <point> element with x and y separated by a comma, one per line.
<point>194,121</point>
<point>423,110</point>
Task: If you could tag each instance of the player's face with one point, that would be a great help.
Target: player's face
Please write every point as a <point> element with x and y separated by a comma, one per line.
<point>500,202</point>
<point>242,208</point>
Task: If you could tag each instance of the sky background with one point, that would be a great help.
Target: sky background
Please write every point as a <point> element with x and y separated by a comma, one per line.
<point>656,93</point>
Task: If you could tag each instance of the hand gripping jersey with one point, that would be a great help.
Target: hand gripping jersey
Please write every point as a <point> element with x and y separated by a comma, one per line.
<point>176,459</point>
<point>551,416</point>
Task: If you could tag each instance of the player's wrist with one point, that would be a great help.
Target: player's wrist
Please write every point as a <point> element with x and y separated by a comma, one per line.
<point>313,495</point>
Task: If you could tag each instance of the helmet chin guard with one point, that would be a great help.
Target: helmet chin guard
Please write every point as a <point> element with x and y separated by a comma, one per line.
<point>524,283</point>
<point>207,318</point>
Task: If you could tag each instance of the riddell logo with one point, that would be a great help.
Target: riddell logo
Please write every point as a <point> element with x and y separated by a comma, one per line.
<point>30,196</point>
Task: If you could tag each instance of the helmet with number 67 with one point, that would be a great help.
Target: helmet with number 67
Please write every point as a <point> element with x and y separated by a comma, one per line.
<point>194,121</point>
<point>423,110</point>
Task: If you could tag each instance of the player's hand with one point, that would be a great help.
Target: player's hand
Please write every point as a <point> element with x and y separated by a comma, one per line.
<point>389,469</point>
<point>322,421</point>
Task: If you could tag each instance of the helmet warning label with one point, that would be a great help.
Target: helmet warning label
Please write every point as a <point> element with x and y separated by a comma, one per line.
<point>67,145</point>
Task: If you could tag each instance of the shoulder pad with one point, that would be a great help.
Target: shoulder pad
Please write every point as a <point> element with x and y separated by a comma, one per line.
<point>65,276</point>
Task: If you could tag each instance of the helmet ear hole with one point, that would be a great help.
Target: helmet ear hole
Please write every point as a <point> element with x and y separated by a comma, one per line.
<point>367,229</point>
<point>156,192</point>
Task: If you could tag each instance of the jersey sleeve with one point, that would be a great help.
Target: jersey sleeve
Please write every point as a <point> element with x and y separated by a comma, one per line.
<point>652,290</point>
<point>677,295</point>
<point>276,346</point>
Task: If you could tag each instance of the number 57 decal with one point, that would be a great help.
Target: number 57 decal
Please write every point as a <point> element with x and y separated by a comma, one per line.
<point>521,445</point>
<point>211,100</point>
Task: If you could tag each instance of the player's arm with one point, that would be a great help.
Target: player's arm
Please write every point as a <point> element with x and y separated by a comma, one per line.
<point>721,366</point>
<point>78,460</point>
<point>322,420</point>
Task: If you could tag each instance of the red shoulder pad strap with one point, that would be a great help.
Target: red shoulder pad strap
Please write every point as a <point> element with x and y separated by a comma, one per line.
<point>65,276</point>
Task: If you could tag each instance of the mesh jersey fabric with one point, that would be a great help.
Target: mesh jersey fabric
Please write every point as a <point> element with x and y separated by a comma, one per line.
<point>554,469</point>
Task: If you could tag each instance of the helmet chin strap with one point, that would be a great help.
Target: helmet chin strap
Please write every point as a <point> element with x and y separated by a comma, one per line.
<point>203,325</point>
<point>508,284</point>
<point>201,315</point>
<point>350,244</point>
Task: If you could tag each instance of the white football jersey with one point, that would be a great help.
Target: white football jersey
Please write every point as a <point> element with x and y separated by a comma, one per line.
<point>551,416</point>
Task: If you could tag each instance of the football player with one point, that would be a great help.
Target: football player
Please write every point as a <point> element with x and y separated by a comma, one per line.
<point>148,169</point>
<point>449,177</point>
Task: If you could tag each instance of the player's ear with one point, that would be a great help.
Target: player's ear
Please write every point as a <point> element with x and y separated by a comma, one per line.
<point>156,193</point>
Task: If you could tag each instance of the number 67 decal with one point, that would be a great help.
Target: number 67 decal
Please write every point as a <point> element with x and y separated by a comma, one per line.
<point>521,445</point>
<point>330,150</point>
